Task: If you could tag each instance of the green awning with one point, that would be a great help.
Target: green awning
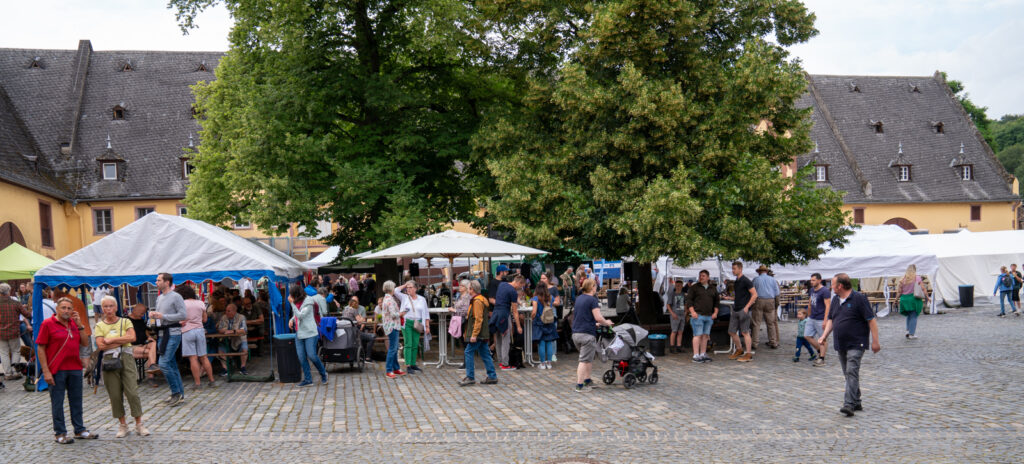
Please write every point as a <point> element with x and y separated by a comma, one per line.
<point>18,262</point>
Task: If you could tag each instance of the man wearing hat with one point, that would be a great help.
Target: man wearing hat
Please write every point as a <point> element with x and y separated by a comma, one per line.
<point>764,308</point>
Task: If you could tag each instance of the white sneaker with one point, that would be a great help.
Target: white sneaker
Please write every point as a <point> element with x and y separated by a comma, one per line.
<point>541,366</point>
<point>122,430</point>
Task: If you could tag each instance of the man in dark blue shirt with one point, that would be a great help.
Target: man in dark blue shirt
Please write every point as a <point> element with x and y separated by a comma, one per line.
<point>853,321</point>
<point>506,300</point>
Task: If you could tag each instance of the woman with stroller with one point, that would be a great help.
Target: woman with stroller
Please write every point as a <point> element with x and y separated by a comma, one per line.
<point>114,335</point>
<point>545,326</point>
<point>586,318</point>
<point>391,316</point>
<point>305,334</point>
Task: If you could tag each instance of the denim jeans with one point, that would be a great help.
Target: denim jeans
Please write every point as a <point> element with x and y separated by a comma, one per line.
<point>169,364</point>
<point>849,360</point>
<point>545,350</point>
<point>912,322</point>
<point>26,334</point>
<point>479,346</point>
<point>306,349</point>
<point>70,382</point>
<point>391,364</point>
<point>802,342</point>
<point>1006,295</point>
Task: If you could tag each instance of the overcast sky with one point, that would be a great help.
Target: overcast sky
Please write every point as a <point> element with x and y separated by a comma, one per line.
<point>974,41</point>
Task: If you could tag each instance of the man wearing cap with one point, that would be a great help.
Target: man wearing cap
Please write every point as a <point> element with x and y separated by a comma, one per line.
<point>764,309</point>
<point>492,285</point>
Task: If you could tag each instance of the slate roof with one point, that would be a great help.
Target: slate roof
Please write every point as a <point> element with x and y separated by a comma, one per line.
<point>86,85</point>
<point>21,162</point>
<point>908,108</point>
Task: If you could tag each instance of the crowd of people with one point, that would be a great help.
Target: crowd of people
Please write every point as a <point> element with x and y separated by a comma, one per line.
<point>487,318</point>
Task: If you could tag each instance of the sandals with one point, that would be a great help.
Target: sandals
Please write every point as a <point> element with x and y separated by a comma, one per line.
<point>63,440</point>
<point>87,435</point>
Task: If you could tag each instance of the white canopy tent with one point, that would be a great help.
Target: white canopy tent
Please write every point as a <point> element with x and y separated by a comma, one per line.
<point>972,258</point>
<point>451,244</point>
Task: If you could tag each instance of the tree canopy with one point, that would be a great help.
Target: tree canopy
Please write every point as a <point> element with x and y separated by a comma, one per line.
<point>640,140</point>
<point>359,112</point>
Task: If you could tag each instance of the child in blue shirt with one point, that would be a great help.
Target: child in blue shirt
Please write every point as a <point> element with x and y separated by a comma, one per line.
<point>800,340</point>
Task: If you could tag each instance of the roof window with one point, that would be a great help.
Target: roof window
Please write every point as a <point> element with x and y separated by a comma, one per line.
<point>119,111</point>
<point>914,88</point>
<point>127,66</point>
<point>902,166</point>
<point>878,126</point>
<point>854,87</point>
<point>938,127</point>
<point>36,63</point>
<point>202,67</point>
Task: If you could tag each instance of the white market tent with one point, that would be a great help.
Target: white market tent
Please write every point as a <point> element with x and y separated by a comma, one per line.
<point>325,259</point>
<point>185,248</point>
<point>451,244</point>
<point>972,258</point>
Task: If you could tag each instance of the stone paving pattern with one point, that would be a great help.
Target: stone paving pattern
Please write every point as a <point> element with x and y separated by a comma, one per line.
<point>951,396</point>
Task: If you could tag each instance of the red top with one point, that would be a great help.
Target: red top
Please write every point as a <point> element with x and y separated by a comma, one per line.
<point>54,335</point>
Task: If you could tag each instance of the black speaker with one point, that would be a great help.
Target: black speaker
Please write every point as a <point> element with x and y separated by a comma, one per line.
<point>414,269</point>
<point>630,271</point>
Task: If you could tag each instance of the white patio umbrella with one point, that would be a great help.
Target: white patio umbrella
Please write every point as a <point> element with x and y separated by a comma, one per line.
<point>451,244</point>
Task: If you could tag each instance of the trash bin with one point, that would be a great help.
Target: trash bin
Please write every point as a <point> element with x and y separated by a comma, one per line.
<point>288,370</point>
<point>656,344</point>
<point>612,296</point>
<point>966,296</point>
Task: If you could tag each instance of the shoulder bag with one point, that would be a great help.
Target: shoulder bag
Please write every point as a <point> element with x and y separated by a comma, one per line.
<point>919,290</point>
<point>112,362</point>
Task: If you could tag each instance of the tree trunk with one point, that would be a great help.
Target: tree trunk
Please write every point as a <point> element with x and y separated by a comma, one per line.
<point>647,308</point>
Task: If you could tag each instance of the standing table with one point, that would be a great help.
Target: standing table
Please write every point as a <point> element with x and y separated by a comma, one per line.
<point>442,338</point>
<point>527,335</point>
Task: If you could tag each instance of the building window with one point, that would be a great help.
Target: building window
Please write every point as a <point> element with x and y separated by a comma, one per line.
<point>940,128</point>
<point>821,173</point>
<point>45,224</point>
<point>240,224</point>
<point>109,171</point>
<point>182,211</point>
<point>140,212</point>
<point>878,127</point>
<point>858,215</point>
<point>975,212</point>
<point>102,221</point>
<point>904,174</point>
<point>967,172</point>
<point>186,168</point>
<point>118,113</point>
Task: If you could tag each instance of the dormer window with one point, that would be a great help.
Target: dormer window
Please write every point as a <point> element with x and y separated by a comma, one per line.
<point>877,125</point>
<point>939,127</point>
<point>186,168</point>
<point>967,172</point>
<point>854,87</point>
<point>914,88</point>
<point>127,66</point>
<point>36,63</point>
<point>821,173</point>
<point>964,169</point>
<point>118,113</point>
<point>904,175</point>
<point>202,67</point>
<point>109,171</point>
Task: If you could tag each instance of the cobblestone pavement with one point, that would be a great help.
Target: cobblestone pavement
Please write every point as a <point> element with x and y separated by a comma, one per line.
<point>951,396</point>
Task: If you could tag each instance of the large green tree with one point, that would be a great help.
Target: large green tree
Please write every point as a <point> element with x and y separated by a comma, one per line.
<point>355,111</point>
<point>978,114</point>
<point>640,139</point>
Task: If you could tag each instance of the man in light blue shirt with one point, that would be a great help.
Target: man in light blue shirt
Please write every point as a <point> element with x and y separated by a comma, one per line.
<point>764,308</point>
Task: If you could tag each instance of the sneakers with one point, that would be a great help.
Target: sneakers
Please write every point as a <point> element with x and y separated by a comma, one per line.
<point>819,362</point>
<point>747,357</point>
<point>152,369</point>
<point>466,381</point>
<point>122,431</point>
<point>141,430</point>
<point>196,386</point>
<point>506,368</point>
<point>462,367</point>
<point>1002,315</point>
<point>398,372</point>
<point>813,356</point>
<point>212,384</point>
<point>243,371</point>
<point>390,375</point>
<point>847,410</point>
<point>413,369</point>
<point>224,374</point>
<point>736,354</point>
<point>912,337</point>
<point>705,358</point>
<point>583,388</point>
<point>305,383</point>
<point>489,381</point>
<point>796,359</point>
<point>697,358</point>
<point>176,400</point>
<point>323,380</point>
<point>858,408</point>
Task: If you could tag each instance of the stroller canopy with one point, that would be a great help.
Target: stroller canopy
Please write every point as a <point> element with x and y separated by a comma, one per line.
<point>630,333</point>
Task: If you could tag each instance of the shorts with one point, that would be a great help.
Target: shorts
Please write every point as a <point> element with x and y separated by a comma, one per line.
<point>678,324</point>
<point>587,344</point>
<point>814,328</point>
<point>701,325</point>
<point>739,321</point>
<point>193,343</point>
<point>1015,294</point>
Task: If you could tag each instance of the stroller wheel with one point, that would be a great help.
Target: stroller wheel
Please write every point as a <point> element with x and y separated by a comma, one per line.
<point>629,380</point>
<point>609,377</point>
<point>652,379</point>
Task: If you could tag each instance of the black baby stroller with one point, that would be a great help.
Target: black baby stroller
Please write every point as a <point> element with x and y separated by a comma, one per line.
<point>346,346</point>
<point>622,345</point>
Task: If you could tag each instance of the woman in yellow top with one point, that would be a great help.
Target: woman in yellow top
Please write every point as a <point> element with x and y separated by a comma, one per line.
<point>114,335</point>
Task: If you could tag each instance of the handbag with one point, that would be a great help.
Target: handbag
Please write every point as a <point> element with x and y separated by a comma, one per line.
<point>919,291</point>
<point>418,326</point>
<point>455,326</point>
<point>112,361</point>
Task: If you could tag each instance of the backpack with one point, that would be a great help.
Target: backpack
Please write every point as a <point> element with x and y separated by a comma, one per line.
<point>547,316</point>
<point>1007,280</point>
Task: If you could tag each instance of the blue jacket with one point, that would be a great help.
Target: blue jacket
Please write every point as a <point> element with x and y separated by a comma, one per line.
<point>999,283</point>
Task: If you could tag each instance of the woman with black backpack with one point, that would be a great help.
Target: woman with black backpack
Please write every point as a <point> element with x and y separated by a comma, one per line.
<point>545,326</point>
